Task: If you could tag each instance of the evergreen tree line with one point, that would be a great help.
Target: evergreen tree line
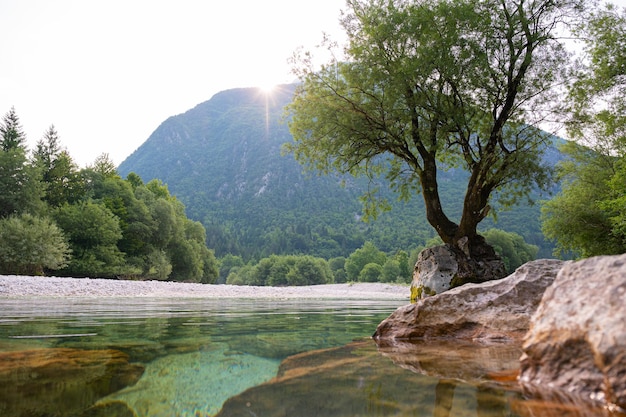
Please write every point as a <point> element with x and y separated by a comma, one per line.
<point>58,219</point>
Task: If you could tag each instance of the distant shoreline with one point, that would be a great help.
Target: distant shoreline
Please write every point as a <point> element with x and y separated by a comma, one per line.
<point>27,286</point>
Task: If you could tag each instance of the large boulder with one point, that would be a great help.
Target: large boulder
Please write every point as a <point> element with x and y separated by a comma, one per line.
<point>440,268</point>
<point>577,342</point>
<point>494,310</point>
<point>434,271</point>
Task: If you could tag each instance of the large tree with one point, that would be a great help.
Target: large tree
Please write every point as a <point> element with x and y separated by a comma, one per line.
<point>431,85</point>
<point>588,217</point>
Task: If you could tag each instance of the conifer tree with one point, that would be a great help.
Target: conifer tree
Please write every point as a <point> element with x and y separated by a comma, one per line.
<point>20,188</point>
<point>12,134</point>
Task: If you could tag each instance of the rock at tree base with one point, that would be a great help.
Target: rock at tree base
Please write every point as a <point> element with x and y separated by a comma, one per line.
<point>440,268</point>
<point>494,310</point>
<point>577,342</point>
<point>434,271</point>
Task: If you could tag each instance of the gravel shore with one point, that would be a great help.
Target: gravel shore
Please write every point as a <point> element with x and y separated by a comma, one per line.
<point>25,286</point>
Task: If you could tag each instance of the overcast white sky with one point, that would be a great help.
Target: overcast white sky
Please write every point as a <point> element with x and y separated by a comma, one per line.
<point>106,73</point>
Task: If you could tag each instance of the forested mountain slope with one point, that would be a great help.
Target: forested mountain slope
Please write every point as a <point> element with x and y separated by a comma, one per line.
<point>222,159</point>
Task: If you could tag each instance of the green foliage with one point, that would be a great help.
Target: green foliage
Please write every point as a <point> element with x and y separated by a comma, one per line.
<point>582,217</point>
<point>59,174</point>
<point>511,247</point>
<point>283,270</point>
<point>11,133</point>
<point>337,267</point>
<point>227,264</point>
<point>588,217</point>
<point>391,272</point>
<point>20,187</point>
<point>405,268</point>
<point>93,232</point>
<point>368,253</point>
<point>115,227</point>
<point>371,272</point>
<point>31,245</point>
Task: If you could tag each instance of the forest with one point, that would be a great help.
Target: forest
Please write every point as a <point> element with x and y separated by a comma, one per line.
<point>60,220</point>
<point>57,218</point>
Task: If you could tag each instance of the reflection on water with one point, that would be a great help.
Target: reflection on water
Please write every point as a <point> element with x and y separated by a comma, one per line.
<point>200,357</point>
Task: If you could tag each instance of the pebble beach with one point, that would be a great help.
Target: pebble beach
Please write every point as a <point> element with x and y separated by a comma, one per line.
<point>28,286</point>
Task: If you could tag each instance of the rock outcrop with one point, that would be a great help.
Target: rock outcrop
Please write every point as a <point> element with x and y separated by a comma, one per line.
<point>577,342</point>
<point>494,310</point>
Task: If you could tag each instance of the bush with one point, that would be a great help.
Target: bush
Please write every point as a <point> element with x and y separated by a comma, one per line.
<point>368,253</point>
<point>371,273</point>
<point>31,244</point>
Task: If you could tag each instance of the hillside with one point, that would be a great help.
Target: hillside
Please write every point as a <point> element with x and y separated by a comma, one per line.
<point>222,159</point>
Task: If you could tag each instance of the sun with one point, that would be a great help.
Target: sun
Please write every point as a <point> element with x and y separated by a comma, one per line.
<point>267,87</point>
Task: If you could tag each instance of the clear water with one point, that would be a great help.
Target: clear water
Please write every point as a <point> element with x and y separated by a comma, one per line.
<point>199,357</point>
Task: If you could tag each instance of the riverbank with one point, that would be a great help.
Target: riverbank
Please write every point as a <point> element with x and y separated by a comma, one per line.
<point>26,286</point>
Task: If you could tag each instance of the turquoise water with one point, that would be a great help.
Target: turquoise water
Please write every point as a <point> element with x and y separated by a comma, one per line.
<point>199,357</point>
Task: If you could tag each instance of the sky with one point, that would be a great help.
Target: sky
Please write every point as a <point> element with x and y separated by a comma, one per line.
<point>107,73</point>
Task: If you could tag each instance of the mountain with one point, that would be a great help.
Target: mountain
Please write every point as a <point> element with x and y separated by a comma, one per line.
<point>222,159</point>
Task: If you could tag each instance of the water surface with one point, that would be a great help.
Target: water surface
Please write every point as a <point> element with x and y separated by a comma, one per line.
<point>206,357</point>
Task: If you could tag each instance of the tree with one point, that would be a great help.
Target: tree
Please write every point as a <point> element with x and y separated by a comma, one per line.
<point>93,232</point>
<point>371,272</point>
<point>20,188</point>
<point>11,132</point>
<point>337,267</point>
<point>391,271</point>
<point>427,86</point>
<point>60,175</point>
<point>511,247</point>
<point>227,264</point>
<point>588,216</point>
<point>30,245</point>
<point>366,254</point>
<point>104,166</point>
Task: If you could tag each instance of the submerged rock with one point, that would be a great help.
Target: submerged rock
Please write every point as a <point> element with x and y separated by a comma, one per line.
<point>356,380</point>
<point>457,359</point>
<point>198,382</point>
<point>577,341</point>
<point>51,382</point>
<point>498,309</point>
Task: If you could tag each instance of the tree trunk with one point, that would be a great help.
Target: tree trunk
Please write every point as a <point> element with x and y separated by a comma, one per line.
<point>477,260</point>
<point>446,229</point>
